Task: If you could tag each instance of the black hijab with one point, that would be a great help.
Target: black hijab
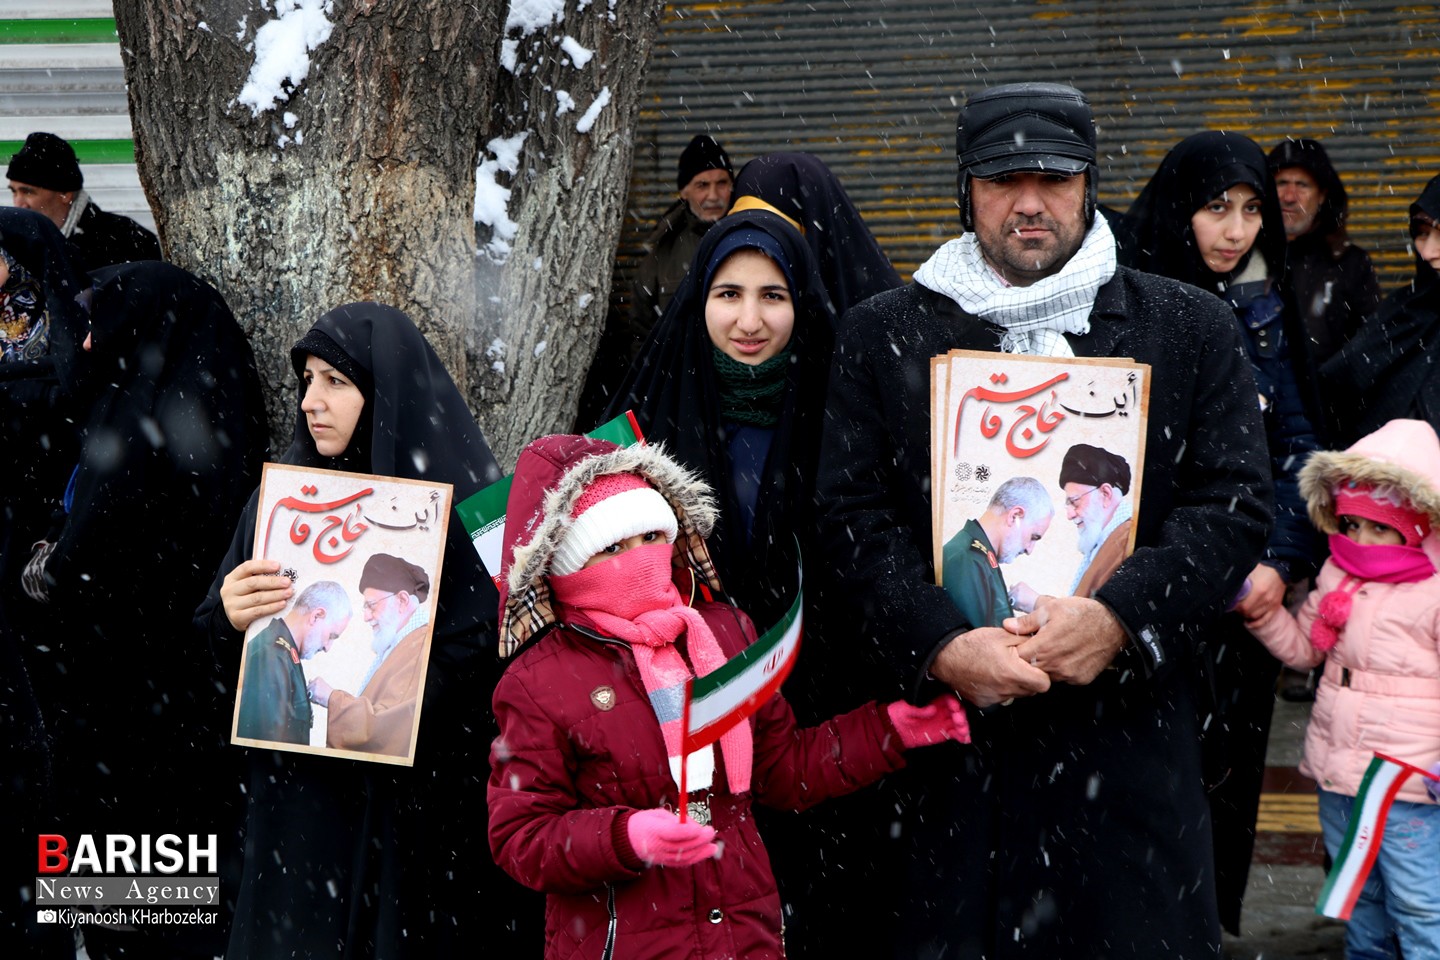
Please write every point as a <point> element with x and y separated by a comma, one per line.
<point>38,246</point>
<point>801,187</point>
<point>172,436</point>
<point>36,425</point>
<point>675,393</point>
<point>1387,370</point>
<point>1157,231</point>
<point>414,425</point>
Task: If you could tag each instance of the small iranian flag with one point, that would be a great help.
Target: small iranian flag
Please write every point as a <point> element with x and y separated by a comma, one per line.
<point>725,697</point>
<point>1383,780</point>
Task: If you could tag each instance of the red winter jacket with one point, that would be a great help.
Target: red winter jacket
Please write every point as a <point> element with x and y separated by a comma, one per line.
<point>580,749</point>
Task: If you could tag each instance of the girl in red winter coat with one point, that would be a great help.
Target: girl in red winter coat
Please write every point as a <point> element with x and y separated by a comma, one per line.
<point>602,605</point>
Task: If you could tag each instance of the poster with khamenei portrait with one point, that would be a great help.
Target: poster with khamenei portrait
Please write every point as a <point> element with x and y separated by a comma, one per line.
<point>1036,467</point>
<point>340,670</point>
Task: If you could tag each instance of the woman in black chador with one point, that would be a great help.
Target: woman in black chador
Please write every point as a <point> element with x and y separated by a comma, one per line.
<point>1388,369</point>
<point>1209,216</point>
<point>346,858</point>
<point>801,188</point>
<point>164,391</point>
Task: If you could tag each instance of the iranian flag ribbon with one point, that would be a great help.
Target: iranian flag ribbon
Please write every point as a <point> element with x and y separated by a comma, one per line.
<point>1383,780</point>
<point>725,697</point>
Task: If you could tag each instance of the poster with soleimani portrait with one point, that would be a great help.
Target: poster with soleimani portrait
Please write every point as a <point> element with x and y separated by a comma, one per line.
<point>341,670</point>
<point>1036,467</point>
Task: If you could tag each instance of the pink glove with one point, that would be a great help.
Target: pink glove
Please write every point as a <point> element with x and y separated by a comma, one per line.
<point>660,839</point>
<point>941,719</point>
<point>1433,786</point>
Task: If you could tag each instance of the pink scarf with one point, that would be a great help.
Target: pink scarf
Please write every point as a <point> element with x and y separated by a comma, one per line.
<point>630,597</point>
<point>1382,563</point>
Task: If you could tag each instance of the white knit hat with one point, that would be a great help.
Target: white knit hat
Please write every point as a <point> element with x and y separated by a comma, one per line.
<point>614,507</point>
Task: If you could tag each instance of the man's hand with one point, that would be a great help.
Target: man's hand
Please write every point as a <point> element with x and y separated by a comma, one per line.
<point>982,666</point>
<point>1267,594</point>
<point>254,590</point>
<point>1070,638</point>
<point>319,691</point>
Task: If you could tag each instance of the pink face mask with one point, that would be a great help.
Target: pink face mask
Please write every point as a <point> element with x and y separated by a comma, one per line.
<point>1382,562</point>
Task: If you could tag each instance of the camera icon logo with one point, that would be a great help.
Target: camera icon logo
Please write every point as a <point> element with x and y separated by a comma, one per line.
<point>46,916</point>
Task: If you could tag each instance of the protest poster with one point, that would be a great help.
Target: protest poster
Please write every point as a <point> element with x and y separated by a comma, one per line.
<point>1061,438</point>
<point>340,670</point>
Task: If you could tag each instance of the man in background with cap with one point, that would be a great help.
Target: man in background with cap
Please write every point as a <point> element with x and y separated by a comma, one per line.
<point>381,718</point>
<point>45,177</point>
<point>1078,824</point>
<point>704,180</point>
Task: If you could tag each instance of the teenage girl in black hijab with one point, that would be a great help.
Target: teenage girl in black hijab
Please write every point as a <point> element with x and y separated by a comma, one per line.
<point>347,858</point>
<point>1388,369</point>
<point>801,188</point>
<point>171,436</point>
<point>1209,217</point>
<point>752,430</point>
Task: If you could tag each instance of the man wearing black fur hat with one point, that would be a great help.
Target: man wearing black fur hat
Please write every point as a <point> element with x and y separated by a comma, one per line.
<point>380,719</point>
<point>1078,824</point>
<point>45,177</point>
<point>704,179</point>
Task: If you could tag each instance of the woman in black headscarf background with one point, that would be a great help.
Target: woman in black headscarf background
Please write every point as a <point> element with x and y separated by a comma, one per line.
<point>38,290</point>
<point>353,859</point>
<point>801,188</point>
<point>39,303</point>
<point>1388,369</point>
<point>1209,217</point>
<point>171,437</point>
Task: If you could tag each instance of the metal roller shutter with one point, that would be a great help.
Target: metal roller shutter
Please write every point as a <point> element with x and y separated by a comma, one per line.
<point>873,88</point>
<point>60,72</point>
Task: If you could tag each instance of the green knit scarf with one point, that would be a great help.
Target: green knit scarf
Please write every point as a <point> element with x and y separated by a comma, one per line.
<point>751,394</point>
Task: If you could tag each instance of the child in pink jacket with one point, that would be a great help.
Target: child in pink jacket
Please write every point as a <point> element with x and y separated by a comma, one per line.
<point>1374,619</point>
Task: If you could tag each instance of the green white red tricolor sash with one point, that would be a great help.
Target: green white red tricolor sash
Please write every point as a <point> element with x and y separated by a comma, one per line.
<point>725,697</point>
<point>1383,780</point>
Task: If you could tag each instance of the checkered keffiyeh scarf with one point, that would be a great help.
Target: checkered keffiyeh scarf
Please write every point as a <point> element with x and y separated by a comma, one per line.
<point>1036,318</point>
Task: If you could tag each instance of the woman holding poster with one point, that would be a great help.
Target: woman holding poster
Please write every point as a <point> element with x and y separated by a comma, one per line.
<point>1210,217</point>
<point>346,858</point>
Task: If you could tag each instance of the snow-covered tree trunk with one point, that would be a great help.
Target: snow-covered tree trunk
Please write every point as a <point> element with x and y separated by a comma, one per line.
<point>561,141</point>
<point>300,154</point>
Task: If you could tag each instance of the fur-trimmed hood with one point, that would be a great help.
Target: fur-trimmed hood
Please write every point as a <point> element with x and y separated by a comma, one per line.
<point>550,476</point>
<point>1403,454</point>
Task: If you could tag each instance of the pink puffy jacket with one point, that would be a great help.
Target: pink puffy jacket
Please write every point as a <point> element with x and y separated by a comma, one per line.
<point>1381,688</point>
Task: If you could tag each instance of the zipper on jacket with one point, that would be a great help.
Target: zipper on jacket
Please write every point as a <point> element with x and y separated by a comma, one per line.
<point>610,932</point>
